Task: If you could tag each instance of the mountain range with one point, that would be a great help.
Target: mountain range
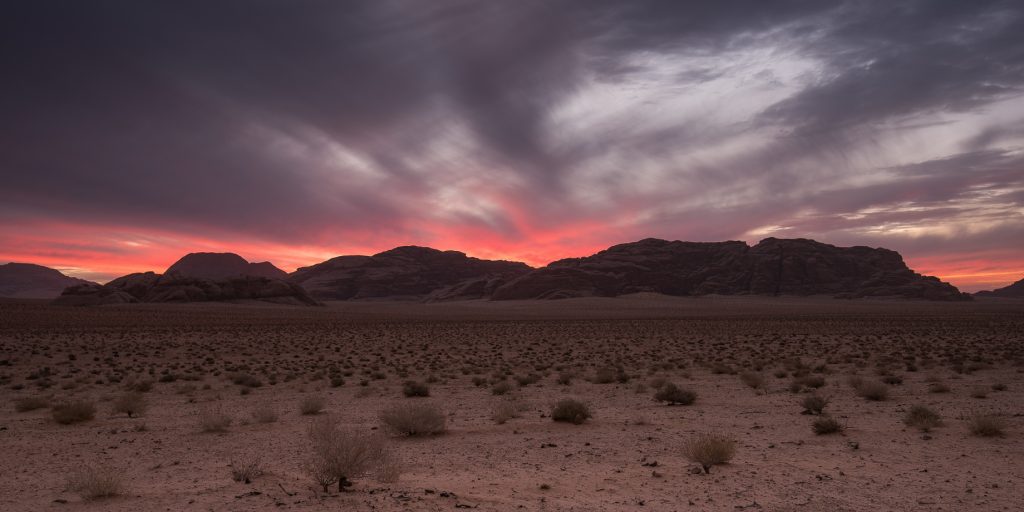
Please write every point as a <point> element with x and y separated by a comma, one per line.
<point>799,267</point>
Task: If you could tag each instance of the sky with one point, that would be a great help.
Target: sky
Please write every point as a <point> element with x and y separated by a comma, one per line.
<point>135,131</point>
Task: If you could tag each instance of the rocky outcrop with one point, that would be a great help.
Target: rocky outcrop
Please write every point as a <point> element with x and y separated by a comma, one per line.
<point>772,267</point>
<point>1015,290</point>
<point>409,273</point>
<point>93,294</point>
<point>30,281</point>
<point>223,265</point>
<point>174,287</point>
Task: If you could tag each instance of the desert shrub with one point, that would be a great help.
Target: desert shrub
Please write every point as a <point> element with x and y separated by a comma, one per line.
<point>986,425</point>
<point>872,390</point>
<point>709,450</point>
<point>78,411</point>
<point>564,378</point>
<point>311,404</point>
<point>922,418</point>
<point>979,393</point>
<point>605,375</point>
<point>526,380</point>
<point>30,403</point>
<point>131,403</point>
<point>892,379</point>
<point>416,419</point>
<point>389,468</point>
<point>246,380</point>
<point>95,482</point>
<point>501,388</point>
<point>142,386</point>
<point>213,419</point>
<point>339,455</point>
<point>264,414</point>
<point>814,403</point>
<point>753,380</point>
<point>673,394</point>
<point>246,468</point>
<point>812,381</point>
<point>570,411</point>
<point>999,386</point>
<point>938,387</point>
<point>504,410</point>
<point>337,381</point>
<point>826,425</point>
<point>412,388</point>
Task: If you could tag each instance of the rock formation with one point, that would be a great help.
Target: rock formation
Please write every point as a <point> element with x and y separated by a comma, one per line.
<point>198,277</point>
<point>772,267</point>
<point>410,273</point>
<point>223,265</point>
<point>1015,290</point>
<point>29,281</point>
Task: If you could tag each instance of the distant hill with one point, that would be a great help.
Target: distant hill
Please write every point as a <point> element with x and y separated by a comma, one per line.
<point>409,272</point>
<point>772,267</point>
<point>30,281</point>
<point>197,277</point>
<point>222,265</point>
<point>1015,290</point>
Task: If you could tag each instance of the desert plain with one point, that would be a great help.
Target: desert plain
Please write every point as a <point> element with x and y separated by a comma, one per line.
<point>223,396</point>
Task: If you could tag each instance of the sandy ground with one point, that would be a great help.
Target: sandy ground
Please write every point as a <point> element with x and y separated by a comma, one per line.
<point>627,457</point>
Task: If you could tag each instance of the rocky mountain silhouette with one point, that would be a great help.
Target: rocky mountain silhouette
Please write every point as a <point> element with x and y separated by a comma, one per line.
<point>1015,290</point>
<point>197,277</point>
<point>222,265</point>
<point>772,267</point>
<point>409,272</point>
<point>30,281</point>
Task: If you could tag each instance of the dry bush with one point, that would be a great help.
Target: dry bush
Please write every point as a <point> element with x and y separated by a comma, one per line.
<point>412,388</point>
<point>340,455</point>
<point>987,425</point>
<point>922,418</point>
<point>131,403</point>
<point>264,413</point>
<point>311,404</point>
<point>709,449</point>
<point>246,468</point>
<point>570,411</point>
<point>389,468</point>
<point>979,393</point>
<point>753,380</point>
<point>673,394</point>
<point>827,425</point>
<point>938,387</point>
<point>77,411</point>
<point>213,419</point>
<point>31,403</point>
<point>501,388</point>
<point>415,419</point>
<point>814,403</point>
<point>872,390</point>
<point>95,482</point>
<point>505,410</point>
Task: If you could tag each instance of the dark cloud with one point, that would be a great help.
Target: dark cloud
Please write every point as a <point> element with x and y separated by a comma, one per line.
<point>315,121</point>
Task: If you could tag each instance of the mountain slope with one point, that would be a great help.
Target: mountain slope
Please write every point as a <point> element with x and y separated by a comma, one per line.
<point>407,272</point>
<point>30,281</point>
<point>772,267</point>
<point>222,265</point>
<point>1015,290</point>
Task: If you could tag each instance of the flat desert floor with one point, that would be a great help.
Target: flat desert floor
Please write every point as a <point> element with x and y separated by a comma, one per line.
<point>494,370</point>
